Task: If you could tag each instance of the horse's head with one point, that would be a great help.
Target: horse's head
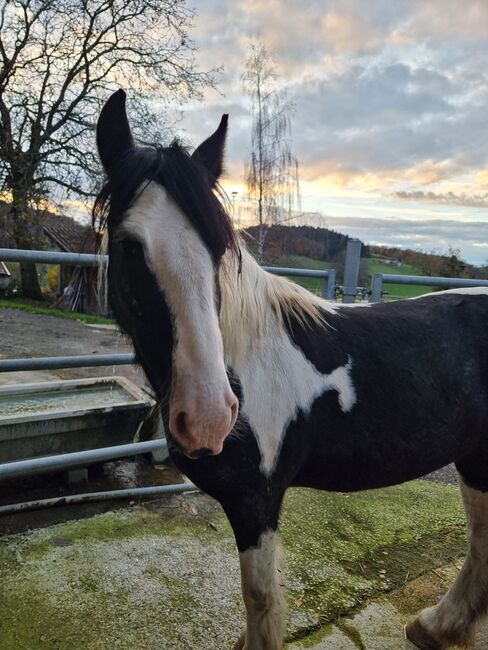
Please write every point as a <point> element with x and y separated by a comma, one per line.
<point>167,233</point>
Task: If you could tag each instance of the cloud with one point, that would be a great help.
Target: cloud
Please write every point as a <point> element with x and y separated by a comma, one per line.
<point>446,198</point>
<point>418,234</point>
<point>390,101</point>
<point>373,91</point>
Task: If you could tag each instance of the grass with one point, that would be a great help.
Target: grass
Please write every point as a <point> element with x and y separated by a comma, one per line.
<point>368,267</point>
<point>300,262</point>
<point>37,308</point>
<point>374,265</point>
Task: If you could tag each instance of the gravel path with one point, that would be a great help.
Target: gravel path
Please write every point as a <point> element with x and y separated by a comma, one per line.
<point>30,335</point>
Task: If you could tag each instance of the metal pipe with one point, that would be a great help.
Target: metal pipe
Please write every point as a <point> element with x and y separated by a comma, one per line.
<point>328,289</point>
<point>129,493</point>
<point>52,363</point>
<point>87,259</point>
<point>351,270</point>
<point>51,257</point>
<point>303,273</point>
<point>77,458</point>
<point>376,287</point>
<point>427,280</point>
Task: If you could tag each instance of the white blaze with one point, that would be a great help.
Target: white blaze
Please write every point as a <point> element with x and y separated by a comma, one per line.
<point>184,270</point>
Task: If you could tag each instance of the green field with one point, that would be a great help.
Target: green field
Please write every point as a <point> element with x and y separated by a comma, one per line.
<point>368,267</point>
<point>374,265</point>
<point>299,262</point>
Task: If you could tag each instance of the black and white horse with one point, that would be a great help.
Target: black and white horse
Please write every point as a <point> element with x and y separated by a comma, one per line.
<point>263,386</point>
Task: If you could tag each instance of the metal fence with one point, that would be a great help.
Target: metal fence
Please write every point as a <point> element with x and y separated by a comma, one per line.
<point>86,259</point>
<point>66,461</point>
<point>328,277</point>
<point>379,279</point>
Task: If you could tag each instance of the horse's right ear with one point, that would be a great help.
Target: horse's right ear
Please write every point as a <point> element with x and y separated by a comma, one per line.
<point>114,137</point>
<point>211,151</point>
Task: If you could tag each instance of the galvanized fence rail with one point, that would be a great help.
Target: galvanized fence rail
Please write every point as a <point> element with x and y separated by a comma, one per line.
<point>87,259</point>
<point>76,459</point>
<point>378,279</point>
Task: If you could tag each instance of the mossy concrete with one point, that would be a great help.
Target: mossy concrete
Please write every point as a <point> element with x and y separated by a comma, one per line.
<point>380,623</point>
<point>166,576</point>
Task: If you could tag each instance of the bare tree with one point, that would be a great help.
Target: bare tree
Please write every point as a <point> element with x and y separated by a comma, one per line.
<point>271,170</point>
<point>59,59</point>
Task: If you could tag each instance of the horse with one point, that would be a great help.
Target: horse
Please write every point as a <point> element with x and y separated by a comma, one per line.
<point>263,386</point>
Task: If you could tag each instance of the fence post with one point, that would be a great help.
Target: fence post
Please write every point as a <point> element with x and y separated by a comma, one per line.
<point>328,286</point>
<point>376,287</point>
<point>351,269</point>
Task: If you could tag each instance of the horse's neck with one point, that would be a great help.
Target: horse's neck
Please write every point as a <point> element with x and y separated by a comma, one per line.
<point>276,378</point>
<point>253,306</point>
<point>246,312</point>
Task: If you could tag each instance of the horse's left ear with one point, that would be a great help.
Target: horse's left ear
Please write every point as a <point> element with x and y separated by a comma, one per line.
<point>211,151</point>
<point>114,137</point>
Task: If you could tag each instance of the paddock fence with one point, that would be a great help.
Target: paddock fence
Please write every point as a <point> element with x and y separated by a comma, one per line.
<point>58,462</point>
<point>378,279</point>
<point>67,461</point>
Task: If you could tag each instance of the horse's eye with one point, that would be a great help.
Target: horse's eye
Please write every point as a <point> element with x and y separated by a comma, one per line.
<point>130,246</point>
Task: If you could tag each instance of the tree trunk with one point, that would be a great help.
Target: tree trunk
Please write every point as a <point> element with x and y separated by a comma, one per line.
<point>25,234</point>
<point>263,231</point>
<point>30,281</point>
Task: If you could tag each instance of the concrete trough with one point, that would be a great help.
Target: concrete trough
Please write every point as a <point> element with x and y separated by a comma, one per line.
<point>57,417</point>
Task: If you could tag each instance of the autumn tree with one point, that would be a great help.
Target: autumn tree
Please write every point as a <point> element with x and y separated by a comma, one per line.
<point>271,172</point>
<point>59,59</point>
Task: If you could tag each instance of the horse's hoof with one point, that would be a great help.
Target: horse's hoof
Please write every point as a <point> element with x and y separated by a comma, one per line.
<point>416,634</point>
<point>240,644</point>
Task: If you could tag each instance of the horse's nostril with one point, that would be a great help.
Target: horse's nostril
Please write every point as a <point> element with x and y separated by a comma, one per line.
<point>181,424</point>
<point>200,453</point>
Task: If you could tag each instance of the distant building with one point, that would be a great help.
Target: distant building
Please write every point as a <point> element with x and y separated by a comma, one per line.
<point>61,233</point>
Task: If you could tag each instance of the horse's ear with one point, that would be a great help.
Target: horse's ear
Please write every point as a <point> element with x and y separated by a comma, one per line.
<point>114,137</point>
<point>211,151</point>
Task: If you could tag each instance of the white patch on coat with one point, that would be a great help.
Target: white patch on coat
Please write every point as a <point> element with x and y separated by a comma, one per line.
<point>277,379</point>
<point>278,382</point>
<point>263,596</point>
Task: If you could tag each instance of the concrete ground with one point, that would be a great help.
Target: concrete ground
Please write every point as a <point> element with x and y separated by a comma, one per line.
<point>165,575</point>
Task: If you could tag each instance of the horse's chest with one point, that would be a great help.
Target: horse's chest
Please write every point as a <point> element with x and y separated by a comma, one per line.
<point>278,382</point>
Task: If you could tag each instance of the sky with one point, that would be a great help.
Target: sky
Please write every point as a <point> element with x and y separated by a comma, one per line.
<point>390,111</point>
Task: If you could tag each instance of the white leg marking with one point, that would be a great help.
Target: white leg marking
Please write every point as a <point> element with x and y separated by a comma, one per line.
<point>263,596</point>
<point>453,619</point>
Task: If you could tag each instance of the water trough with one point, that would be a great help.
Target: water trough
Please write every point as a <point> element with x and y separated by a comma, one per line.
<point>59,417</point>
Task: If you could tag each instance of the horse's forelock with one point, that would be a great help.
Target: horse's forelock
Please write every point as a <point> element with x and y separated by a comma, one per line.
<point>183,177</point>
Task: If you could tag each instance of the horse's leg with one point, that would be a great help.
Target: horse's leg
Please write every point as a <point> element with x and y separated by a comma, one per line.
<point>259,556</point>
<point>453,620</point>
<point>263,595</point>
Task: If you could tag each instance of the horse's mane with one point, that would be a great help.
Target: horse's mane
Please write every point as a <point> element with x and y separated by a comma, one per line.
<point>253,300</point>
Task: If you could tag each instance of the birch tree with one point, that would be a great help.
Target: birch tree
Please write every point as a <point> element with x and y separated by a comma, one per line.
<point>271,172</point>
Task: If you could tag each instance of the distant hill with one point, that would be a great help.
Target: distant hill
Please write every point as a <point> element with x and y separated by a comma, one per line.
<point>449,265</point>
<point>307,241</point>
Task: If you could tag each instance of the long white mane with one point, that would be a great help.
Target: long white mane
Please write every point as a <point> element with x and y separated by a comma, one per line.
<point>253,300</point>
